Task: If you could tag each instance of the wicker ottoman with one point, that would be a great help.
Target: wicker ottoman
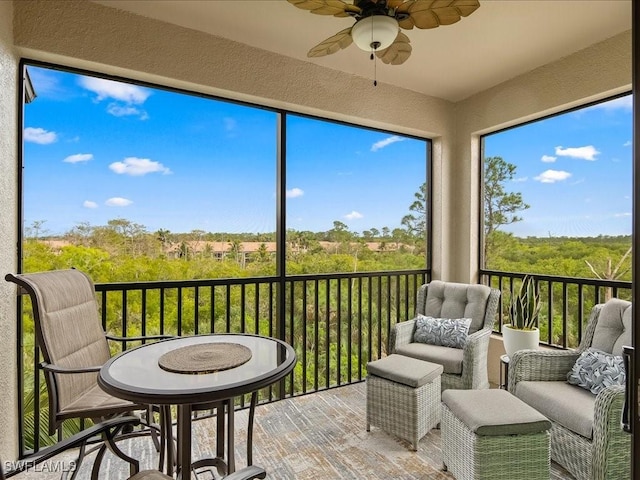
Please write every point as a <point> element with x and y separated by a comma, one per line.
<point>490,434</point>
<point>403,396</point>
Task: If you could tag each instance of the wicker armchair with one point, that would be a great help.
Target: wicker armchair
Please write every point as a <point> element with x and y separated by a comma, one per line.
<point>586,436</point>
<point>464,368</point>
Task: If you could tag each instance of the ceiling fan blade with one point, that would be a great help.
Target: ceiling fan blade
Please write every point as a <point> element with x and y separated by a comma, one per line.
<point>398,52</point>
<point>434,13</point>
<point>337,8</point>
<point>394,3</point>
<point>340,40</point>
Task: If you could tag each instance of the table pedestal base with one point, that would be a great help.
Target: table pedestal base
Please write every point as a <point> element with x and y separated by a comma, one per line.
<point>224,462</point>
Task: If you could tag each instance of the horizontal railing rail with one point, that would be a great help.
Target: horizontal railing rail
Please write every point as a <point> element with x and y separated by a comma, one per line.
<point>566,302</point>
<point>335,322</point>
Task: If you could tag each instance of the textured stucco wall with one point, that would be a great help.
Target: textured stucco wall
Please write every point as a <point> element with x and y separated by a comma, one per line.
<point>8,182</point>
<point>594,73</point>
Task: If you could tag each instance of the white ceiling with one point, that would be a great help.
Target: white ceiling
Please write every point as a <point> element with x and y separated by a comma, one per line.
<point>500,40</point>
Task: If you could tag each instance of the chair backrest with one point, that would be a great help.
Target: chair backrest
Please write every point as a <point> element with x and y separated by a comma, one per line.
<point>68,331</point>
<point>459,300</point>
<point>609,327</point>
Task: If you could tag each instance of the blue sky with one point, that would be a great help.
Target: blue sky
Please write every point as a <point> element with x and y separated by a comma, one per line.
<point>96,150</point>
<point>574,170</point>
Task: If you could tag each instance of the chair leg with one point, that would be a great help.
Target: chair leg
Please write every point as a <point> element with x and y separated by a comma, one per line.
<point>134,465</point>
<point>81,454</point>
<point>97,462</point>
<point>154,428</point>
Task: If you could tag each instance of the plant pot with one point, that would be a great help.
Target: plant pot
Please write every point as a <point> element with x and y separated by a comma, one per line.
<point>515,339</point>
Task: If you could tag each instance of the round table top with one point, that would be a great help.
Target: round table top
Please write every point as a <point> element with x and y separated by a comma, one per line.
<point>136,376</point>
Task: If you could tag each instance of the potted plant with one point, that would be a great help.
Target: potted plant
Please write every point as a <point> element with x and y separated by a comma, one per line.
<point>522,333</point>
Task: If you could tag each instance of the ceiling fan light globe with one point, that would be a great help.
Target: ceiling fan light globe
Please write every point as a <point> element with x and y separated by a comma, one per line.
<point>376,32</point>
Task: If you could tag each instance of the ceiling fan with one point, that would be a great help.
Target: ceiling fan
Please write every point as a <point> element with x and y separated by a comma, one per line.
<point>378,23</point>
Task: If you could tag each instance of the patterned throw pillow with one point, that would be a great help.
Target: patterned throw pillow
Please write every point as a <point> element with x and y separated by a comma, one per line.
<point>595,370</point>
<point>447,332</point>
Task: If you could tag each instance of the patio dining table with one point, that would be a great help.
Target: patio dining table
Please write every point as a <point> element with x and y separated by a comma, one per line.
<point>195,372</point>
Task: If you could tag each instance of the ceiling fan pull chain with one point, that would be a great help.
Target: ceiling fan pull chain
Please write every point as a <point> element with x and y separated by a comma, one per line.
<point>375,70</point>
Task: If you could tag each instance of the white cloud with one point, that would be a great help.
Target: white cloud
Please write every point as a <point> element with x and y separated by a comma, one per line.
<point>230,124</point>
<point>548,159</point>
<point>39,135</point>
<point>295,192</point>
<point>89,204</point>
<point>353,215</point>
<point>45,84</point>
<point>552,176</point>
<point>118,202</point>
<point>625,214</point>
<point>386,142</point>
<point>123,92</point>
<point>585,153</point>
<point>79,157</point>
<point>138,166</point>
<point>628,143</point>
<point>127,110</point>
<point>625,103</point>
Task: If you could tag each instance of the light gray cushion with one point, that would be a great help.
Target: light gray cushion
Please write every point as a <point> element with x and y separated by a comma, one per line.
<point>456,300</point>
<point>493,412</point>
<point>614,327</point>
<point>448,332</point>
<point>596,370</point>
<point>570,406</point>
<point>449,358</point>
<point>406,370</point>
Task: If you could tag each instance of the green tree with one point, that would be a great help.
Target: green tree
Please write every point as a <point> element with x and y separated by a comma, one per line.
<point>164,237</point>
<point>500,206</point>
<point>339,233</point>
<point>262,254</point>
<point>416,223</point>
<point>36,229</point>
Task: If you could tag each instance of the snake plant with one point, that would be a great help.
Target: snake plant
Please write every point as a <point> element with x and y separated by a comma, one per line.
<point>525,305</point>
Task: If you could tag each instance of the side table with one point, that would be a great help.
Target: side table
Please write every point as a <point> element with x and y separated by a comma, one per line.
<point>504,372</point>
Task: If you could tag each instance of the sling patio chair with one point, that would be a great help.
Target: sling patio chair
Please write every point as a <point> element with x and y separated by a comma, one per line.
<point>74,347</point>
<point>108,428</point>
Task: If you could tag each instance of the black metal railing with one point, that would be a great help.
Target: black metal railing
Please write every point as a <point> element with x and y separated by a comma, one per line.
<point>335,322</point>
<point>566,302</point>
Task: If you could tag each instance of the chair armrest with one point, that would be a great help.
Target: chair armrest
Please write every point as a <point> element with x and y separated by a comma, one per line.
<point>540,365</point>
<point>401,334</point>
<point>474,359</point>
<point>138,339</point>
<point>247,473</point>
<point>71,442</point>
<point>476,337</point>
<point>68,370</point>
<point>611,444</point>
